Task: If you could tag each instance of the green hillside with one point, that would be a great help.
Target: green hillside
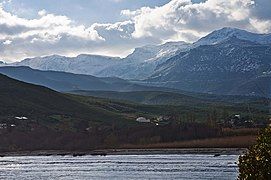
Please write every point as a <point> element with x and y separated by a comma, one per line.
<point>40,103</point>
<point>172,98</point>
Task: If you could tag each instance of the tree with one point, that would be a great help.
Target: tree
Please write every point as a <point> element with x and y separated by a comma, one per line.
<point>256,163</point>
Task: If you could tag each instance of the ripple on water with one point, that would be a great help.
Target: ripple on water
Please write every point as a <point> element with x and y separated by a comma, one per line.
<point>120,167</point>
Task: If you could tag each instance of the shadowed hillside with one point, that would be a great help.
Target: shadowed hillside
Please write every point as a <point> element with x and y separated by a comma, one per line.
<point>23,99</point>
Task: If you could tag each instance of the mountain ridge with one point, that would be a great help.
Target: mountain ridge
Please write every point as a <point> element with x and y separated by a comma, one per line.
<point>241,55</point>
<point>63,81</point>
<point>216,68</point>
<point>220,35</point>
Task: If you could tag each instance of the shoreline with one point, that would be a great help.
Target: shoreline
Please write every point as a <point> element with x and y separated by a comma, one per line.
<point>105,152</point>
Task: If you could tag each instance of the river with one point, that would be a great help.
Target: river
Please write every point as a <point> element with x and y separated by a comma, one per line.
<point>188,166</point>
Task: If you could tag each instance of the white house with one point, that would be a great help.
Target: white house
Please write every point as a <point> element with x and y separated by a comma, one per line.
<point>237,116</point>
<point>143,120</point>
<point>21,118</point>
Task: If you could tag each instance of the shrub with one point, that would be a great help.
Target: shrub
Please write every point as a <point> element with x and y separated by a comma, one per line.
<point>256,163</point>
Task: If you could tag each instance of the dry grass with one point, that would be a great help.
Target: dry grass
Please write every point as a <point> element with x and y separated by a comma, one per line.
<point>223,142</point>
<point>240,131</point>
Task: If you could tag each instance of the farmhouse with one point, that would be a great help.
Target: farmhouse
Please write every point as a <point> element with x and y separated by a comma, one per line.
<point>21,118</point>
<point>143,120</point>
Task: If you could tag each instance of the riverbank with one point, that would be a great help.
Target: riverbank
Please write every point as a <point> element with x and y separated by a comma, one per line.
<point>221,142</point>
<point>105,152</point>
<point>235,145</point>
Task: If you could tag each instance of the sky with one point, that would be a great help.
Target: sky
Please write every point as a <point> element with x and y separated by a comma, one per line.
<point>30,28</point>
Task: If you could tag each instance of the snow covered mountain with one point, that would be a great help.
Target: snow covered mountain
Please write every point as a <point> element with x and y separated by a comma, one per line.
<point>2,63</point>
<point>222,34</point>
<point>221,68</point>
<point>82,64</point>
<point>140,64</point>
<point>156,53</point>
<point>225,61</point>
<point>143,61</point>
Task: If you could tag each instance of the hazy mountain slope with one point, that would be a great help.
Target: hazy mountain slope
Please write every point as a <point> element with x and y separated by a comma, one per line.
<point>170,98</point>
<point>62,81</point>
<point>260,85</point>
<point>147,97</point>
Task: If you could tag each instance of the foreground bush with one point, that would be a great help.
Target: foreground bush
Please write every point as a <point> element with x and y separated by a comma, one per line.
<point>256,163</point>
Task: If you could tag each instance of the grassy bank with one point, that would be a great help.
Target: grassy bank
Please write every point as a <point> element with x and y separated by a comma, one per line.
<point>223,142</point>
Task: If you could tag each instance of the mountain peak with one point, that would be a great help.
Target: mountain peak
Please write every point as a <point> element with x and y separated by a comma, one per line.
<point>54,56</point>
<point>229,29</point>
<point>225,33</point>
<point>166,44</point>
<point>91,56</point>
<point>156,53</point>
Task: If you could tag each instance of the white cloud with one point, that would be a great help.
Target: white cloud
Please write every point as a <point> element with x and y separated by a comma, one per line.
<point>188,21</point>
<point>47,34</point>
<point>177,20</point>
<point>117,1</point>
<point>42,12</point>
<point>3,2</point>
<point>7,42</point>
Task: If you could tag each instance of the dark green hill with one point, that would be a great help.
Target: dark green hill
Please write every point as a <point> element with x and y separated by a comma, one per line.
<point>37,102</point>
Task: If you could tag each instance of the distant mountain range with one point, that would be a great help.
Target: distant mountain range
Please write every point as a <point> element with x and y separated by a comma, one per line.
<point>227,61</point>
<point>138,65</point>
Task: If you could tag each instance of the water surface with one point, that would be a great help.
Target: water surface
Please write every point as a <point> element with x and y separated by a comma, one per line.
<point>120,167</point>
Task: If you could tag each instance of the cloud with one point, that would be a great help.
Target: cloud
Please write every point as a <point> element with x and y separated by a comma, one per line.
<point>184,20</point>
<point>176,20</point>
<point>48,33</point>
<point>42,12</point>
<point>117,1</point>
<point>3,2</point>
<point>7,42</point>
